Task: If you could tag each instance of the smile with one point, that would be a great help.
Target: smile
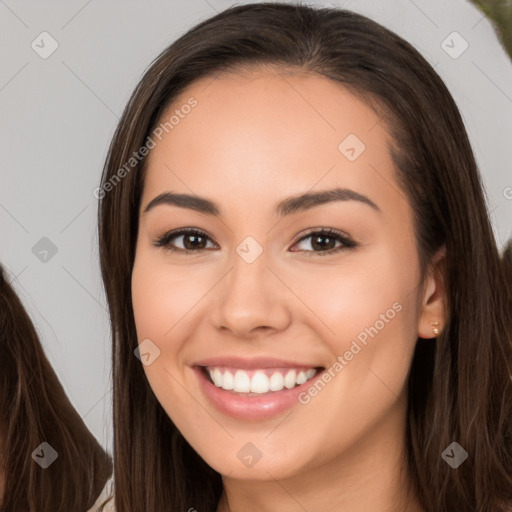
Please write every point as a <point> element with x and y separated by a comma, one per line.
<point>258,381</point>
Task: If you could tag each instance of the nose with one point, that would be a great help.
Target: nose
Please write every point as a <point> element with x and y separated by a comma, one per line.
<point>251,301</point>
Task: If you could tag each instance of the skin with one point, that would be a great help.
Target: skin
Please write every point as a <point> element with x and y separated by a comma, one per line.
<point>252,140</point>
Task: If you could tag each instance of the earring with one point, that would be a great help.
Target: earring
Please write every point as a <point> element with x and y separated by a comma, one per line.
<point>435,329</point>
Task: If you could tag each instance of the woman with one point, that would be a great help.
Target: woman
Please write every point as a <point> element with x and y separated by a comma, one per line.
<point>295,245</point>
<point>49,460</point>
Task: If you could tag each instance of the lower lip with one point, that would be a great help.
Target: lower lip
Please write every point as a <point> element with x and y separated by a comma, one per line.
<point>253,407</point>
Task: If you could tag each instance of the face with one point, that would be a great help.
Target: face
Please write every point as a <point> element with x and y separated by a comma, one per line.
<point>306,311</point>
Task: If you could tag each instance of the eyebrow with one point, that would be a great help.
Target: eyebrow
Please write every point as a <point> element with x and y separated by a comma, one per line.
<point>288,206</point>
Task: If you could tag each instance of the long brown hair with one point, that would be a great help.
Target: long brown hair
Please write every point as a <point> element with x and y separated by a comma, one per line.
<point>507,266</point>
<point>460,386</point>
<point>36,410</point>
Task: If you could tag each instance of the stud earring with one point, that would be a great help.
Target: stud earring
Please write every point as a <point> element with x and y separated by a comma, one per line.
<point>435,329</point>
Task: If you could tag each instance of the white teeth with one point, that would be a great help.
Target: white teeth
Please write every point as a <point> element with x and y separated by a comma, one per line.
<point>289,380</point>
<point>217,377</point>
<point>310,373</point>
<point>228,381</point>
<point>260,382</point>
<point>276,382</point>
<point>242,382</point>
<point>301,378</point>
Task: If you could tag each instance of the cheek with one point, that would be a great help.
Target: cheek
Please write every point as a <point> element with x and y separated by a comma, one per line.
<point>366,308</point>
<point>147,298</point>
<point>161,296</point>
<point>353,295</point>
<point>158,305</point>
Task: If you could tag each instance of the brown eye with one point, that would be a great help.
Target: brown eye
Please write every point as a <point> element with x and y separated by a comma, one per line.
<point>324,242</point>
<point>193,240</point>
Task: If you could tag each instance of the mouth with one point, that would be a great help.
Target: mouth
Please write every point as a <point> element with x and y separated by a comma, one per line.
<point>255,389</point>
<point>259,381</point>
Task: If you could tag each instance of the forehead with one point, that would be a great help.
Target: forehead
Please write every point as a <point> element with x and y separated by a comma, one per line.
<point>270,132</point>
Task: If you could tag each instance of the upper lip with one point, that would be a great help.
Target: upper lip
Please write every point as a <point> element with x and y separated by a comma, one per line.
<point>253,363</point>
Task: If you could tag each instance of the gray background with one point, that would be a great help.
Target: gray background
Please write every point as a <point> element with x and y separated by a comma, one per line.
<point>59,113</point>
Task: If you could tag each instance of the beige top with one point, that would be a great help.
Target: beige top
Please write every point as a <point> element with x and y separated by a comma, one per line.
<point>101,504</point>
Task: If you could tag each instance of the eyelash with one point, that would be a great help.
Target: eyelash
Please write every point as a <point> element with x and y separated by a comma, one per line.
<point>348,243</point>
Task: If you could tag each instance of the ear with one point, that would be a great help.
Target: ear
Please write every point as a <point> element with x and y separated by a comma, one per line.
<point>433,299</point>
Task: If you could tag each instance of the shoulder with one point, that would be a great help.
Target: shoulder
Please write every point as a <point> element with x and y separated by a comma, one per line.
<point>107,506</point>
<point>105,501</point>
